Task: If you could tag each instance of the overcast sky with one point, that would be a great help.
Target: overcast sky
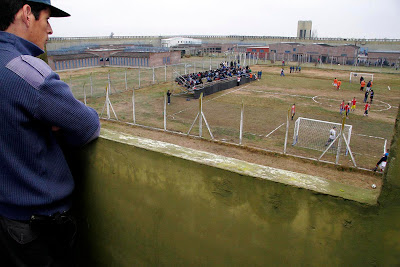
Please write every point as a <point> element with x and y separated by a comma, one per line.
<point>330,18</point>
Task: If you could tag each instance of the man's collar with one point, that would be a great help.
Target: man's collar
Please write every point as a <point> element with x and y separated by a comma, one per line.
<point>24,46</point>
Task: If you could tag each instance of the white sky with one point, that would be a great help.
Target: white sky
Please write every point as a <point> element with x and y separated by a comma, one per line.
<point>330,18</point>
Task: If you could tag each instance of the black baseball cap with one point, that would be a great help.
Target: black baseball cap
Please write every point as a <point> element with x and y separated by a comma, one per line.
<point>55,12</point>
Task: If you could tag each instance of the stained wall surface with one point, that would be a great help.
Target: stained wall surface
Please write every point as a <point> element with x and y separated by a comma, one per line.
<point>147,203</point>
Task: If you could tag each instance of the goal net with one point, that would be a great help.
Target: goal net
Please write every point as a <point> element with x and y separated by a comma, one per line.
<point>357,75</point>
<point>314,134</point>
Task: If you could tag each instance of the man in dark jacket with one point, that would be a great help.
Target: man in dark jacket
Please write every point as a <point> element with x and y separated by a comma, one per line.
<point>38,111</point>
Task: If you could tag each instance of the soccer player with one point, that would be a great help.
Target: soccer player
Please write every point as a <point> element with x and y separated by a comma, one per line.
<point>382,162</point>
<point>369,85</point>
<point>366,95</point>
<point>335,82</point>
<point>293,112</point>
<point>371,96</point>
<point>353,104</point>
<point>347,109</point>
<point>332,135</point>
<point>339,82</point>
<point>362,85</point>
<point>341,107</point>
<point>366,108</point>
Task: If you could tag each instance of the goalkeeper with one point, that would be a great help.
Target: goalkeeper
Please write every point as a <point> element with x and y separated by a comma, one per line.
<point>332,136</point>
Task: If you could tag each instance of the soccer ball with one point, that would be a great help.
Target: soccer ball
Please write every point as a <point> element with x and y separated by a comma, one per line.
<point>373,186</point>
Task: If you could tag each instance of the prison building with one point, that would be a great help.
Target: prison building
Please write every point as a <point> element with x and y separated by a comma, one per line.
<point>324,53</point>
<point>260,52</point>
<point>73,61</point>
<point>385,58</point>
<point>120,57</point>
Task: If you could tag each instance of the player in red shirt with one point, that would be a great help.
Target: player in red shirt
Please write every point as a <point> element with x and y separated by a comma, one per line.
<point>341,107</point>
<point>293,112</point>
<point>347,109</point>
<point>366,108</point>
<point>335,82</point>
<point>353,104</point>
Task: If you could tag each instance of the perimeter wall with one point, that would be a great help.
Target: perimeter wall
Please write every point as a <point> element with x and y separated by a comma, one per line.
<point>146,203</point>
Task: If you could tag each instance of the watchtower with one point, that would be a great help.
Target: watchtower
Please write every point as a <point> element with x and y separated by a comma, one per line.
<point>304,28</point>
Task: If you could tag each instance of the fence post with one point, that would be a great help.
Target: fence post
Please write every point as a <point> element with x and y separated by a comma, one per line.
<point>287,131</point>
<point>84,93</point>
<point>241,124</point>
<point>340,141</point>
<point>139,76</point>
<point>70,83</point>
<point>153,76</point>
<point>165,72</point>
<point>109,81</point>
<point>91,85</point>
<point>133,106</point>
<point>126,82</point>
<point>201,117</point>
<point>165,111</point>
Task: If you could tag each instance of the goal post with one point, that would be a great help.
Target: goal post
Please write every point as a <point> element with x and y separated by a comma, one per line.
<point>314,134</point>
<point>357,75</point>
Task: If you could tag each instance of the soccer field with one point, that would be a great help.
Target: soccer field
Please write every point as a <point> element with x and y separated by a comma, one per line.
<point>265,104</point>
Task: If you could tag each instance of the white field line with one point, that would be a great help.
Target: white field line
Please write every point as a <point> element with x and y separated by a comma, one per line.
<point>275,130</point>
<point>370,136</point>
<point>277,93</point>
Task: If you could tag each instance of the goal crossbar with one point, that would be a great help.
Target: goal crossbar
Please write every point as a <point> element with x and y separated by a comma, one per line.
<point>357,74</point>
<point>314,134</point>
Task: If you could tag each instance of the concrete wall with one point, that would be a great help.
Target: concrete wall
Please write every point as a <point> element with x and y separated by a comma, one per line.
<point>56,43</point>
<point>148,203</point>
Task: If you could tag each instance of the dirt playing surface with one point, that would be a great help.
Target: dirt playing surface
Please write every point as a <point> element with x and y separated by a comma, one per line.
<point>353,177</point>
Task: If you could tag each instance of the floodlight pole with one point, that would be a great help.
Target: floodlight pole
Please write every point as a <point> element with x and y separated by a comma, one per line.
<point>153,76</point>
<point>165,72</point>
<point>84,93</point>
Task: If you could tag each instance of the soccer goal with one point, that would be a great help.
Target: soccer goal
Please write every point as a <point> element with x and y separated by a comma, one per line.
<point>357,75</point>
<point>314,134</point>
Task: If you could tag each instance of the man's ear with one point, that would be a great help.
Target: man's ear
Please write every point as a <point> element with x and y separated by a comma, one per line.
<point>26,15</point>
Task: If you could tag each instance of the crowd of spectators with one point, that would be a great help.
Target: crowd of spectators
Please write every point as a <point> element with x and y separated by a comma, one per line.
<point>226,71</point>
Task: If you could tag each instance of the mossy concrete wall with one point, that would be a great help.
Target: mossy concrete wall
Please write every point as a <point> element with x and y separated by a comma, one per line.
<point>147,203</point>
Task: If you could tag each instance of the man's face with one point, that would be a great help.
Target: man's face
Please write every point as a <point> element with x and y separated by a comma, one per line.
<point>40,29</point>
